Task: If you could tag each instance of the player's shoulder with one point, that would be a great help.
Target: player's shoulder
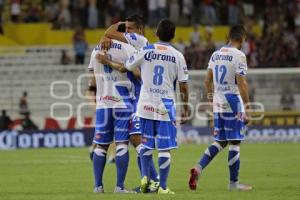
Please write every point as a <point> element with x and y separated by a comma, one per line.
<point>176,52</point>
<point>238,52</point>
<point>120,45</point>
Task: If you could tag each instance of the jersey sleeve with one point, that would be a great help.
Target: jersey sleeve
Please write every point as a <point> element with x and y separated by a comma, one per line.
<point>92,63</point>
<point>241,65</point>
<point>135,60</point>
<point>182,71</point>
<point>136,40</point>
<point>211,62</point>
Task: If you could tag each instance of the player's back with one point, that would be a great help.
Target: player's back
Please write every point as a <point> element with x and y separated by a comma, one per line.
<point>113,87</point>
<point>226,63</point>
<point>161,66</point>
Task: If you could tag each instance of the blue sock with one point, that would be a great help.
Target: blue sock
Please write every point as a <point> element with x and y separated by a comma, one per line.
<point>146,159</point>
<point>99,160</point>
<point>153,172</point>
<point>209,154</point>
<point>234,162</point>
<point>164,161</point>
<point>122,160</point>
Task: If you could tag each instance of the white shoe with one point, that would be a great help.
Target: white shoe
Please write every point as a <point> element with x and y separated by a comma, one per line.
<point>239,186</point>
<point>123,190</point>
<point>99,189</point>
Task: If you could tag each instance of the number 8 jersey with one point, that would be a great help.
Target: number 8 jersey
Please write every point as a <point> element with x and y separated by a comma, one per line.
<point>225,64</point>
<point>161,66</point>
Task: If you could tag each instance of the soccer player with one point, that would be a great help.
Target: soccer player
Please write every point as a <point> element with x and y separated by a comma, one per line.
<point>161,66</point>
<point>134,36</point>
<point>227,75</point>
<point>113,112</point>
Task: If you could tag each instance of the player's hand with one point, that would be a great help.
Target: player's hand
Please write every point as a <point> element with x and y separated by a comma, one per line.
<point>184,116</point>
<point>105,43</point>
<point>102,57</point>
<point>247,118</point>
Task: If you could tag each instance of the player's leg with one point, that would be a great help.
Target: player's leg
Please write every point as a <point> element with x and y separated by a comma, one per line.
<point>121,132</point>
<point>122,161</point>
<point>136,141</point>
<point>210,152</point>
<point>234,135</point>
<point>166,140</point>
<point>99,160</point>
<point>102,138</point>
<point>146,151</point>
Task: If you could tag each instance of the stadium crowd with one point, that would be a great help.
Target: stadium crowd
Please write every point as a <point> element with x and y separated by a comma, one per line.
<point>280,21</point>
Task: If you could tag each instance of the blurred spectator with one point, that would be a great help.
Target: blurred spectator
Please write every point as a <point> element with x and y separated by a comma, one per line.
<point>209,13</point>
<point>51,10</point>
<point>5,121</point>
<point>23,104</point>
<point>287,100</point>
<point>65,58</point>
<point>64,16</point>
<point>233,12</point>
<point>28,124</point>
<point>152,12</point>
<point>162,9</point>
<point>195,36</point>
<point>180,45</point>
<point>80,45</point>
<point>174,10</point>
<point>92,14</point>
<point>15,10</point>
<point>187,6</point>
<point>33,13</point>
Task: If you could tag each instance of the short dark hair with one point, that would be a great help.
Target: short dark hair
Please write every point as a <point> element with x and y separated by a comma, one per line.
<point>137,19</point>
<point>166,30</point>
<point>237,32</point>
<point>122,27</point>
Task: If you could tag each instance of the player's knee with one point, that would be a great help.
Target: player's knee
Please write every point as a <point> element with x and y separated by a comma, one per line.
<point>135,140</point>
<point>121,149</point>
<point>101,146</point>
<point>235,142</point>
<point>223,144</point>
<point>146,151</point>
<point>101,150</point>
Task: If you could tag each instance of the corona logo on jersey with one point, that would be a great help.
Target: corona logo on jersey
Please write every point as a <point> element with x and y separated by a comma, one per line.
<point>155,110</point>
<point>110,98</point>
<point>149,56</point>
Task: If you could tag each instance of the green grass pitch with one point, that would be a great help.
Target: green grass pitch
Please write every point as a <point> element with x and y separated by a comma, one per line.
<point>272,169</point>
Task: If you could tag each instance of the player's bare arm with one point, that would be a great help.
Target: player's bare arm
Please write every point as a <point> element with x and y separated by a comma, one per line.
<point>243,88</point>
<point>209,85</point>
<point>113,33</point>
<point>102,58</point>
<point>90,93</point>
<point>105,43</point>
<point>184,95</point>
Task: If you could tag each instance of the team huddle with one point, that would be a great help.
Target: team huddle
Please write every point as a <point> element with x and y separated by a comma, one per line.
<point>136,102</point>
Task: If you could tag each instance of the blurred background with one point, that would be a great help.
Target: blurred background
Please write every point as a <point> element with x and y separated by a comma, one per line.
<point>45,48</point>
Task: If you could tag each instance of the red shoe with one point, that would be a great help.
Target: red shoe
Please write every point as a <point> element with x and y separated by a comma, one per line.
<point>194,178</point>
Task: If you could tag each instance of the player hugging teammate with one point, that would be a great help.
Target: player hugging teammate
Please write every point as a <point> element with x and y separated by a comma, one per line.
<point>136,102</point>
<point>120,65</point>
